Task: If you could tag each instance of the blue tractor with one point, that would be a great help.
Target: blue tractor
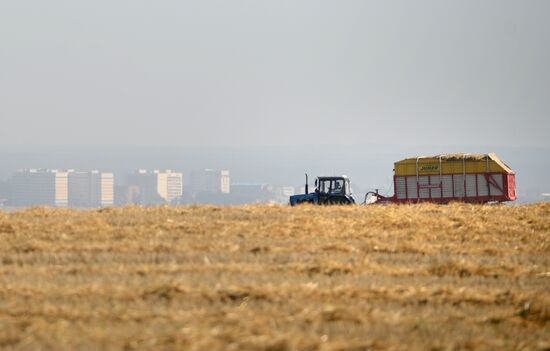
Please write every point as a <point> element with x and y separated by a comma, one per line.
<point>328,191</point>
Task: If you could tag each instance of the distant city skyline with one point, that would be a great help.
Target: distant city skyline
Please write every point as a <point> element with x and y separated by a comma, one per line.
<point>76,188</point>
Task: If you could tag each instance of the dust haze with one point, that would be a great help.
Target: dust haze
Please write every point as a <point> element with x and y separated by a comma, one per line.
<point>218,73</point>
<point>271,90</point>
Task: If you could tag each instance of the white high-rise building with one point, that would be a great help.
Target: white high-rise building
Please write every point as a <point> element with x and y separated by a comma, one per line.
<point>155,187</point>
<point>90,189</point>
<point>225,182</point>
<point>174,186</point>
<point>211,181</point>
<point>34,187</point>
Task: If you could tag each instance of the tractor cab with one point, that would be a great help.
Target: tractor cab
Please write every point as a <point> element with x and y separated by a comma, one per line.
<point>334,190</point>
<point>328,191</point>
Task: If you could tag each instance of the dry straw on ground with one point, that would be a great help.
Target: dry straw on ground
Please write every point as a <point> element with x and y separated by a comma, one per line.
<point>276,278</point>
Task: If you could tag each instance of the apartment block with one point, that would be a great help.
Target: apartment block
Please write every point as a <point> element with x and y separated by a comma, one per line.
<point>210,181</point>
<point>154,187</point>
<point>174,186</point>
<point>39,187</point>
<point>90,189</point>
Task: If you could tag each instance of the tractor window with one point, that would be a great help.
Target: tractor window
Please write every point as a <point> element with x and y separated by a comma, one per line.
<point>338,186</point>
<point>324,186</point>
<point>335,186</point>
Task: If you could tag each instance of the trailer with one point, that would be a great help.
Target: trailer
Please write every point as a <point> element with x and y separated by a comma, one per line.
<point>477,178</point>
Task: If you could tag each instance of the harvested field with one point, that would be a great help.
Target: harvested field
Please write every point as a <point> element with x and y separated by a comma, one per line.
<point>405,277</point>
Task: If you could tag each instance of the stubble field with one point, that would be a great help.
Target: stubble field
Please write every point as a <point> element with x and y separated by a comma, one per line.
<point>429,277</point>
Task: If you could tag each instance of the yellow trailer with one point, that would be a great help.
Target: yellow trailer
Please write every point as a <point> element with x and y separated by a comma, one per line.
<point>452,177</point>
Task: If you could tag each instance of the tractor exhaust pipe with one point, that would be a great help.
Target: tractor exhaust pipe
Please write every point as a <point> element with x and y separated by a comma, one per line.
<point>307,186</point>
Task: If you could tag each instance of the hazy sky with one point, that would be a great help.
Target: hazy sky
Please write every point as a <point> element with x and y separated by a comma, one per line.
<point>255,72</point>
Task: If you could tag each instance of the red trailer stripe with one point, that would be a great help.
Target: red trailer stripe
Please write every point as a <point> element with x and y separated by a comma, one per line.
<point>477,189</point>
<point>406,187</point>
<point>453,184</point>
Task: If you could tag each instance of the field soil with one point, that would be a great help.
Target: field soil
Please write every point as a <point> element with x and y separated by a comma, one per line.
<point>409,277</point>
